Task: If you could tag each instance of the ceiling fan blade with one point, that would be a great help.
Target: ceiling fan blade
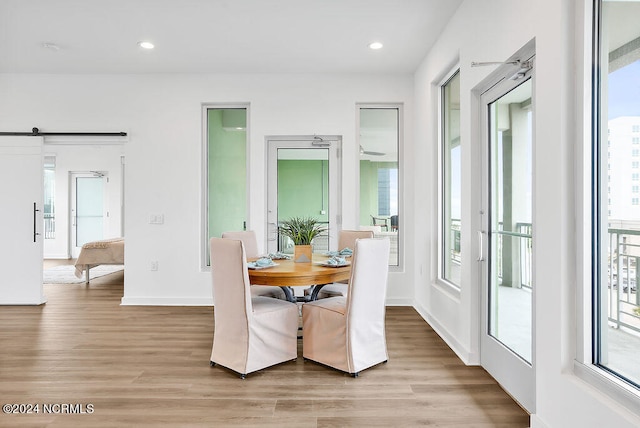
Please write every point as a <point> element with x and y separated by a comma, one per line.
<point>367,152</point>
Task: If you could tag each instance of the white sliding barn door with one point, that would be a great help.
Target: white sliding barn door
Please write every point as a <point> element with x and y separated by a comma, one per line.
<point>21,220</point>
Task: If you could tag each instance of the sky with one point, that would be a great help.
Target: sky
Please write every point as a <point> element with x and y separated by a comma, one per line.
<point>624,91</point>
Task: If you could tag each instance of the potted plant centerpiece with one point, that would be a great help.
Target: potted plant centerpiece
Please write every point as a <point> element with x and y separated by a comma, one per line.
<point>301,230</point>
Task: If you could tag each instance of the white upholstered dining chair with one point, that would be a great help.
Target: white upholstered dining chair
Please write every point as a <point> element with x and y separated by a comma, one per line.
<point>346,239</point>
<point>248,238</point>
<point>250,333</point>
<point>348,333</point>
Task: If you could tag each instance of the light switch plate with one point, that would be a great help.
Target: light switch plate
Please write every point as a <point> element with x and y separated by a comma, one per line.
<point>156,219</point>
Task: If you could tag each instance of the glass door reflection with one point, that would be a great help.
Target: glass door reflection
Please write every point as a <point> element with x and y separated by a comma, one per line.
<point>303,191</point>
<point>87,209</point>
<point>510,224</point>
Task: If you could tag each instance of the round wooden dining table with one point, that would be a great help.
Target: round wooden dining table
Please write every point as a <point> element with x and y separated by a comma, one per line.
<point>289,274</point>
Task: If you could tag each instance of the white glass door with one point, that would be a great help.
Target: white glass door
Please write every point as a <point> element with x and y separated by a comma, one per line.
<point>21,220</point>
<point>87,210</point>
<point>303,181</point>
<point>508,287</point>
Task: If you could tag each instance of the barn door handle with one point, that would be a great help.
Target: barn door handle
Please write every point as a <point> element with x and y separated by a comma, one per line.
<point>35,218</point>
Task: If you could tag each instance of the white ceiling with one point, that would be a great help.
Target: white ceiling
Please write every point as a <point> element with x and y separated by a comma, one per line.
<point>626,29</point>
<point>221,36</point>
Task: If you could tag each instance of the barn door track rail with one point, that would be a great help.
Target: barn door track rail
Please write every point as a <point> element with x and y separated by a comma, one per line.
<point>35,132</point>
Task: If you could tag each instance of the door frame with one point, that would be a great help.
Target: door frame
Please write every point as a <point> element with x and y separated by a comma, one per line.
<point>331,142</point>
<point>505,366</point>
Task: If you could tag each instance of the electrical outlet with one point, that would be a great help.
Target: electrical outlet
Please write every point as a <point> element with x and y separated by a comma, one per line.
<point>154,265</point>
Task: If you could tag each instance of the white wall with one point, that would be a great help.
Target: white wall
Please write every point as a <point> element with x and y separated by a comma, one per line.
<point>83,158</point>
<point>162,114</point>
<point>492,31</point>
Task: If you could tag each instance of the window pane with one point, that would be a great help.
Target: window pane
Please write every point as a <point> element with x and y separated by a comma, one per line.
<point>511,219</point>
<point>226,171</point>
<point>303,191</point>
<point>451,181</point>
<point>49,197</point>
<point>89,209</point>
<point>379,138</point>
<point>617,249</point>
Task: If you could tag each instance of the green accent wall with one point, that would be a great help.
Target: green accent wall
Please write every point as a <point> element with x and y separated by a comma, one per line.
<point>302,187</point>
<point>227,174</point>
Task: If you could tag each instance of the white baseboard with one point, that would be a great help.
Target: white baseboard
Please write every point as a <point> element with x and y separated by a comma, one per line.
<point>166,301</point>
<point>467,357</point>
<point>399,302</point>
<point>23,302</point>
<point>57,256</point>
<point>536,422</point>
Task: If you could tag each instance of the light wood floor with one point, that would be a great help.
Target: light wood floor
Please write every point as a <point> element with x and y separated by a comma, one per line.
<point>149,366</point>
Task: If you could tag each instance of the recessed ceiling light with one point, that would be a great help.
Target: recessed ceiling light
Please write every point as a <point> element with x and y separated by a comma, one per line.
<point>146,45</point>
<point>375,45</point>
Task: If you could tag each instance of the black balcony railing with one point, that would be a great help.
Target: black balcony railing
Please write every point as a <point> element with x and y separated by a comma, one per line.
<point>49,226</point>
<point>522,232</point>
<point>524,254</point>
<point>623,253</point>
<point>455,240</point>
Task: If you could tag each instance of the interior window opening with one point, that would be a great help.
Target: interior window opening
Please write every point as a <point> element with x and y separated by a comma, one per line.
<point>226,172</point>
<point>379,174</point>
<point>450,181</point>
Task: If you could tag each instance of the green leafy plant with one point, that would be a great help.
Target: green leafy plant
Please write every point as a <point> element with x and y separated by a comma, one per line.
<point>301,230</point>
